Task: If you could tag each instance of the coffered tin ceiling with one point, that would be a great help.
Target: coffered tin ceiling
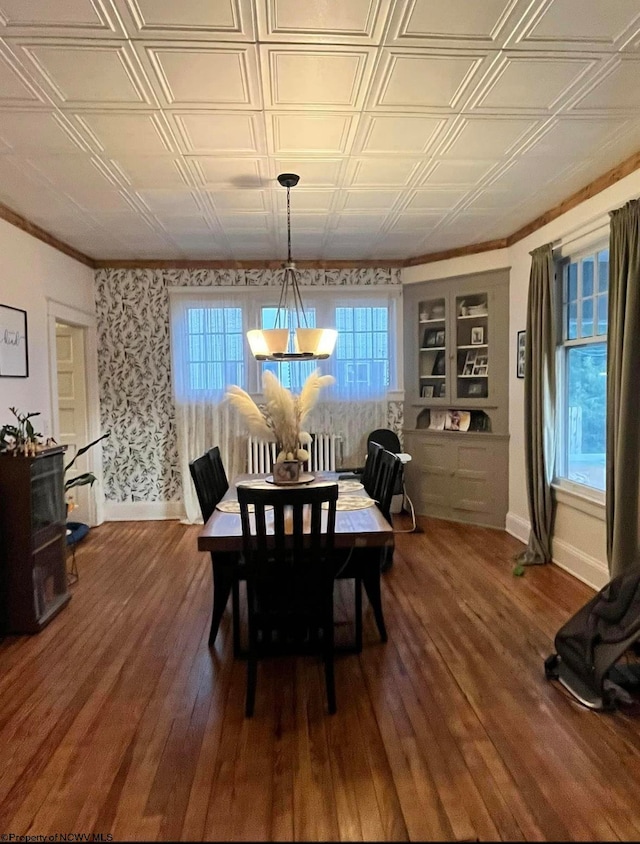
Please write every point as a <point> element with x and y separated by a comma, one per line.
<point>155,129</point>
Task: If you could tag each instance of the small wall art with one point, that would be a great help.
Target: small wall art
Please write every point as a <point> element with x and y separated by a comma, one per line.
<point>522,338</point>
<point>14,354</point>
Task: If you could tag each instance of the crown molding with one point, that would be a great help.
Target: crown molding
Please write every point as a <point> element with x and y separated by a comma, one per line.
<point>20,222</point>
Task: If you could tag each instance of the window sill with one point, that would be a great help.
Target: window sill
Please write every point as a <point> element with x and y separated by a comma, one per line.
<point>591,502</point>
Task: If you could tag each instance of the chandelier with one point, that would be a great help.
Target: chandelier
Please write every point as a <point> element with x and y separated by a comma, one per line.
<point>276,343</point>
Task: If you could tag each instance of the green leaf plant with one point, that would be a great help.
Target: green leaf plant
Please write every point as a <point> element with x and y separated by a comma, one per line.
<point>21,438</point>
<point>86,477</point>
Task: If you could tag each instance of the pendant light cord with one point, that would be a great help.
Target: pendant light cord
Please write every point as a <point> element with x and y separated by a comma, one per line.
<point>290,278</point>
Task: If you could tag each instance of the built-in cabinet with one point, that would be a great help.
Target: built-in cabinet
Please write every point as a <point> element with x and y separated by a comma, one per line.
<point>456,397</point>
<point>33,571</point>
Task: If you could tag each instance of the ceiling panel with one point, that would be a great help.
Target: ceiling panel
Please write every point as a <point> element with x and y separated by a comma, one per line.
<point>224,20</point>
<point>80,73</point>
<point>329,21</point>
<point>159,127</point>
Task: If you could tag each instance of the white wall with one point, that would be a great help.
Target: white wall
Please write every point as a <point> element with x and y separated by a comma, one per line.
<point>32,273</point>
<point>579,539</point>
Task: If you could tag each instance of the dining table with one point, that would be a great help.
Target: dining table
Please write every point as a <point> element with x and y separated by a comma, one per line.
<point>357,526</point>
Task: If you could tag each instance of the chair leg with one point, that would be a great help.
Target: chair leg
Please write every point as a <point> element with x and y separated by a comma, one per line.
<point>371,579</point>
<point>357,585</point>
<point>223,580</point>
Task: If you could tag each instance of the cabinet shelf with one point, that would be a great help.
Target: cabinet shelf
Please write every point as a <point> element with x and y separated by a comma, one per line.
<point>435,319</point>
<point>473,316</point>
<point>432,348</point>
<point>474,346</point>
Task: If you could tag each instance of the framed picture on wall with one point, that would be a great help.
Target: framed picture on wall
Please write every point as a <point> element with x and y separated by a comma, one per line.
<point>14,353</point>
<point>522,339</point>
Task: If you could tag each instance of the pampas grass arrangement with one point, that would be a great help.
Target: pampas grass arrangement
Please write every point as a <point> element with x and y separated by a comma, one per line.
<point>283,415</point>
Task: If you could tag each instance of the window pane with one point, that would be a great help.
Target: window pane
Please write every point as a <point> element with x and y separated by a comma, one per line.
<point>572,287</point>
<point>587,318</point>
<point>586,432</point>
<point>362,349</point>
<point>214,339</point>
<point>587,276</point>
<point>603,270</point>
<point>603,303</point>
<point>572,321</point>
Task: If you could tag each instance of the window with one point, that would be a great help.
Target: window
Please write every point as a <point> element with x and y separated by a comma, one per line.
<point>216,355</point>
<point>362,350</point>
<point>583,370</point>
<point>210,350</point>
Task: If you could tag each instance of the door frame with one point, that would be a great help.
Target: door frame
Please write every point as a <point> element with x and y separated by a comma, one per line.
<point>59,312</point>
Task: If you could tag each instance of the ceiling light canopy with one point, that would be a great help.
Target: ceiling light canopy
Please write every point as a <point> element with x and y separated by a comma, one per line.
<point>307,343</point>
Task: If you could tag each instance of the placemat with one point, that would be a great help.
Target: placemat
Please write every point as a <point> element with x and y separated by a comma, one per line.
<point>349,486</point>
<point>351,502</point>
<point>231,506</point>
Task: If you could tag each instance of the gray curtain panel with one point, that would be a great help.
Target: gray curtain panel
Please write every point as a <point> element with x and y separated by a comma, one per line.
<point>623,392</point>
<point>540,404</point>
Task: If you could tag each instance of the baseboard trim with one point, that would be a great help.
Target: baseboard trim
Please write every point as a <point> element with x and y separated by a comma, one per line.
<point>518,527</point>
<point>142,511</point>
<point>580,564</point>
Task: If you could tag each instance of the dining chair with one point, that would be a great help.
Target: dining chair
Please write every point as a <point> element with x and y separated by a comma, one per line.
<point>370,471</point>
<point>219,474</point>
<point>207,473</point>
<point>288,552</point>
<point>365,565</point>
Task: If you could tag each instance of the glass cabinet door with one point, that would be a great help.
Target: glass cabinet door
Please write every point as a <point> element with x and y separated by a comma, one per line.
<point>432,344</point>
<point>473,362</point>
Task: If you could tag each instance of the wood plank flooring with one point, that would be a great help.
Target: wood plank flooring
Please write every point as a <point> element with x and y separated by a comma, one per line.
<point>118,719</point>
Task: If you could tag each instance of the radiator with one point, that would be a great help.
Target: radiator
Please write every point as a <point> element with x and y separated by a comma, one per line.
<point>261,455</point>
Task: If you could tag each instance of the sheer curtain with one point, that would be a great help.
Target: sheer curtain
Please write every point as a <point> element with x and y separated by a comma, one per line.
<point>364,365</point>
<point>207,355</point>
<point>209,352</point>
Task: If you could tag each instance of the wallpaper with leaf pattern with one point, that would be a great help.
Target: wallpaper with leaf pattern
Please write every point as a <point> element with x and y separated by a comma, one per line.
<point>134,368</point>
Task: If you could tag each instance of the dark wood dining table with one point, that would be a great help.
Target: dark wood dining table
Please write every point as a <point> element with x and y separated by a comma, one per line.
<point>364,528</point>
<point>222,536</point>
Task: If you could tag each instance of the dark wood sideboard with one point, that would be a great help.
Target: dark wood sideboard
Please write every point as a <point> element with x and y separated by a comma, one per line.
<point>33,574</point>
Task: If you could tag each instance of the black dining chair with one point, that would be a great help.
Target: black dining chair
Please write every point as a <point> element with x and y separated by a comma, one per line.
<point>290,576</point>
<point>365,565</point>
<point>370,471</point>
<point>210,481</point>
<point>219,474</point>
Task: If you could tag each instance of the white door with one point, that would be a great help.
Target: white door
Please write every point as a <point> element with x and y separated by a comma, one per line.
<point>72,411</point>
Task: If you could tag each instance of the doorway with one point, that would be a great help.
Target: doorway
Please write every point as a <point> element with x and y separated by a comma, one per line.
<point>73,413</point>
<point>75,409</point>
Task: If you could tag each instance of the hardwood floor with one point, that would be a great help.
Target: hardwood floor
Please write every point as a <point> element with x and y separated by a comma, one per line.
<point>117,718</point>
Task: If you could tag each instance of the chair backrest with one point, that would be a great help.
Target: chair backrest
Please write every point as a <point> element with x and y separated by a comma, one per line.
<point>389,465</point>
<point>220,476</point>
<point>369,474</point>
<point>204,481</point>
<point>294,558</point>
<point>387,438</point>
